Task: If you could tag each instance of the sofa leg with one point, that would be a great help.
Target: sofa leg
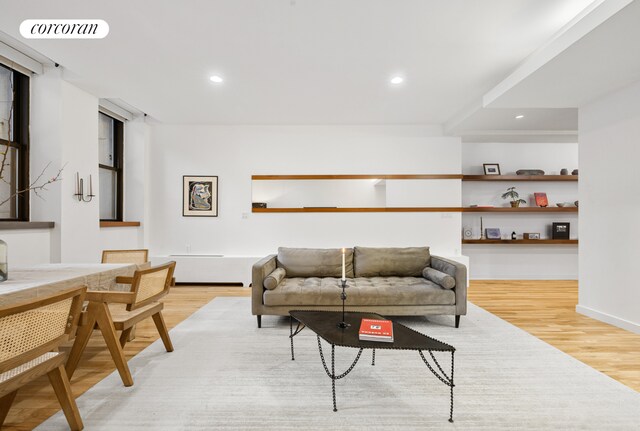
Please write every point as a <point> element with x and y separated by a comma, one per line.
<point>457,320</point>
<point>259,321</point>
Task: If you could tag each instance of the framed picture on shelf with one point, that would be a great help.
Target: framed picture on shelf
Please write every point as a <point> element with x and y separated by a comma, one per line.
<point>541,199</point>
<point>491,168</point>
<point>199,196</point>
<point>560,230</point>
<point>532,235</point>
<point>492,233</point>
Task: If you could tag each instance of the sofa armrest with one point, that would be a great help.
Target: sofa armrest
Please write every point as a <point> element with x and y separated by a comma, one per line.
<point>259,271</point>
<point>459,272</point>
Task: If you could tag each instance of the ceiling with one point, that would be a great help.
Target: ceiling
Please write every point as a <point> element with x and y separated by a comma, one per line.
<point>297,61</point>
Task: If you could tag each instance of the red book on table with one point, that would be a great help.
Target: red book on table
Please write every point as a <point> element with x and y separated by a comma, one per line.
<point>376,330</point>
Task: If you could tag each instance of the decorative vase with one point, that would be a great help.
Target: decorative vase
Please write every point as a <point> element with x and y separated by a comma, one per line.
<point>564,171</point>
<point>4,264</point>
<point>515,204</point>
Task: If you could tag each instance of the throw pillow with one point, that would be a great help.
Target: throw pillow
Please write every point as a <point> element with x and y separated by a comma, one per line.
<point>272,280</point>
<point>440,278</point>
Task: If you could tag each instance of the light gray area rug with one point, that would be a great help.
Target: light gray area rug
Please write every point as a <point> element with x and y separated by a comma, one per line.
<point>226,374</point>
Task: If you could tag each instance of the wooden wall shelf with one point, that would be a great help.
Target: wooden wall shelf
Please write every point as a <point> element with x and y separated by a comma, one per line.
<point>119,223</point>
<point>521,210</point>
<point>357,210</point>
<point>520,241</point>
<point>359,177</point>
<point>519,178</point>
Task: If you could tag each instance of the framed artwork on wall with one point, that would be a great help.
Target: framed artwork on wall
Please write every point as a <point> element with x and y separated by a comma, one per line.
<point>199,196</point>
<point>491,168</point>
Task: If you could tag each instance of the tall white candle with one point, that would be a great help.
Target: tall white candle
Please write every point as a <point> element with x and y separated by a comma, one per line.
<point>343,268</point>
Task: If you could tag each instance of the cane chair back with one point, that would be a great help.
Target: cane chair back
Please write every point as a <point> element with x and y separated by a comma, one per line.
<point>125,256</point>
<point>149,285</point>
<point>29,330</point>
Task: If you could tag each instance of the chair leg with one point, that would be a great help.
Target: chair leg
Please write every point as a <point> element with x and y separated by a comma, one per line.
<point>132,335</point>
<point>259,321</point>
<point>60,382</point>
<point>162,329</point>
<point>105,323</point>
<point>457,320</point>
<point>125,336</point>
<point>83,335</point>
<point>5,405</point>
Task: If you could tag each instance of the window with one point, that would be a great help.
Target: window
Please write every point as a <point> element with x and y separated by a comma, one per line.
<point>110,142</point>
<point>14,144</point>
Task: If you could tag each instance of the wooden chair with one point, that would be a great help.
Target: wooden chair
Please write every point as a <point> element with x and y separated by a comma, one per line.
<point>30,334</point>
<point>142,301</point>
<point>125,256</point>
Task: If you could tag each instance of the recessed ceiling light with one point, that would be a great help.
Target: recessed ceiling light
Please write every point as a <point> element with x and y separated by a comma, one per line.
<point>397,80</point>
<point>519,116</point>
<point>216,79</point>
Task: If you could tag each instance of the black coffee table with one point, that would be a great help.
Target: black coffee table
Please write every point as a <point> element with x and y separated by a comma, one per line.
<point>325,325</point>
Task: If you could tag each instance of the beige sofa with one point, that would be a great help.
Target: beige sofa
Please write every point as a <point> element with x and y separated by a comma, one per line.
<point>388,281</point>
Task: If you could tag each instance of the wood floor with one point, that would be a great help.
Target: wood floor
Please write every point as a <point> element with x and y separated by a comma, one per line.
<point>545,309</point>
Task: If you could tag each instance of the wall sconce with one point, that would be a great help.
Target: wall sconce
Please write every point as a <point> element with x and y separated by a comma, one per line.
<point>79,194</point>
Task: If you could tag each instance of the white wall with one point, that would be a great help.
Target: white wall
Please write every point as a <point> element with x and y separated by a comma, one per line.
<point>520,261</point>
<point>64,132</point>
<point>609,132</point>
<point>27,247</point>
<point>234,153</point>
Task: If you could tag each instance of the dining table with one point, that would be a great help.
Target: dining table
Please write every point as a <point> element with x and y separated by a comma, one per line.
<point>30,282</point>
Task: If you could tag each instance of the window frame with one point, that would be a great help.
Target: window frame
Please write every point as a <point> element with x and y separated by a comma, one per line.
<point>118,166</point>
<point>20,128</point>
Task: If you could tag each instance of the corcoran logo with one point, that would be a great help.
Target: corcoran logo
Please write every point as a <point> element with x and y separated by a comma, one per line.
<point>64,29</point>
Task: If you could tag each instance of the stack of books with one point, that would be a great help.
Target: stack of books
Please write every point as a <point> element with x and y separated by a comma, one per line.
<point>376,330</point>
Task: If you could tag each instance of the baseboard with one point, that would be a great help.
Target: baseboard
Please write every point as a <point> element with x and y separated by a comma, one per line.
<point>608,318</point>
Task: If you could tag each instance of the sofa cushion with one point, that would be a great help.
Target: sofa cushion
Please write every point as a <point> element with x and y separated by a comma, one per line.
<point>401,262</point>
<point>272,280</point>
<point>315,262</point>
<point>440,278</point>
<point>373,291</point>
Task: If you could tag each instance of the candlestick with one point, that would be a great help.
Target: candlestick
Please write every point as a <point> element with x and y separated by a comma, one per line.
<point>343,268</point>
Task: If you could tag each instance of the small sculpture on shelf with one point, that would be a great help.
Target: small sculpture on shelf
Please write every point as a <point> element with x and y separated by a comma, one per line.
<point>513,195</point>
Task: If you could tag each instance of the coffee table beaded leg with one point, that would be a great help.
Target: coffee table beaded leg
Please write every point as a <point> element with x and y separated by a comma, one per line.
<point>443,378</point>
<point>332,373</point>
<point>292,334</point>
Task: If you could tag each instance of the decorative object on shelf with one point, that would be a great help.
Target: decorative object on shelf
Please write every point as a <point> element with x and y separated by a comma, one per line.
<point>79,194</point>
<point>512,194</point>
<point>560,230</point>
<point>343,283</point>
<point>258,205</point>
<point>4,261</point>
<point>481,230</point>
<point>566,204</point>
<point>576,203</point>
<point>541,199</point>
<point>531,235</point>
<point>467,233</point>
<point>199,196</point>
<point>491,168</point>
<point>493,233</point>
<point>513,235</point>
<point>574,172</point>
<point>480,206</point>
<point>529,172</point>
<point>564,171</point>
